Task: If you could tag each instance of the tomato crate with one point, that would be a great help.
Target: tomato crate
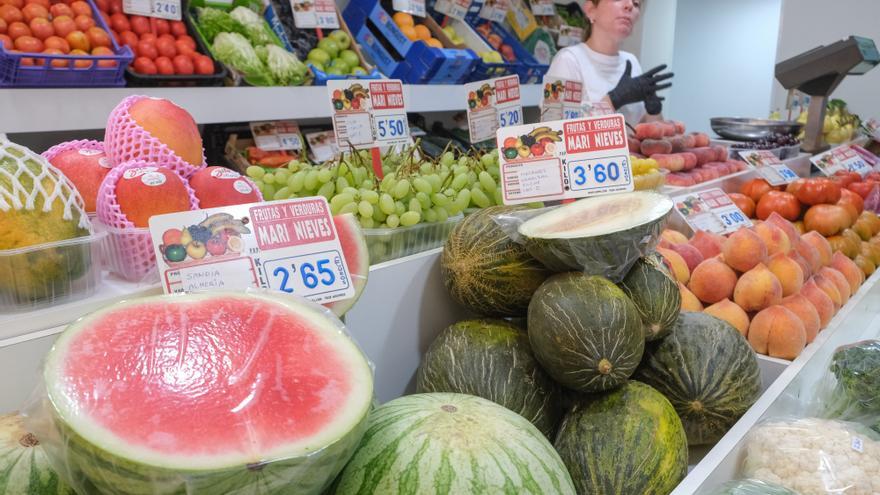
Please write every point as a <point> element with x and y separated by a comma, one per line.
<point>39,70</point>
<point>401,58</point>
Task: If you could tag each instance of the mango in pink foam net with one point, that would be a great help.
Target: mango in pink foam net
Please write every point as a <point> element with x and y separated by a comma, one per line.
<point>155,131</point>
<point>85,164</point>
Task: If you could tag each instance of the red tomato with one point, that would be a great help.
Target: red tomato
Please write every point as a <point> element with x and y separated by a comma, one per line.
<point>105,17</point>
<point>115,7</point>
<point>28,44</point>
<point>166,37</point>
<point>98,37</point>
<point>44,3</point>
<point>119,22</point>
<point>183,47</point>
<point>147,49</point>
<point>3,26</point>
<point>79,41</point>
<point>204,65</point>
<point>128,38</point>
<point>29,62</point>
<point>148,37</point>
<point>10,14</point>
<point>139,24</point>
<point>15,3</point>
<point>781,202</point>
<point>84,22</point>
<point>191,43</point>
<point>6,41</point>
<point>815,191</point>
<point>178,28</point>
<point>852,202</point>
<point>846,178</point>
<point>755,189</point>
<point>63,25</point>
<point>80,7</point>
<point>33,11</point>
<point>162,27</point>
<point>827,219</point>
<point>165,66</point>
<point>42,28</point>
<point>103,5</point>
<point>166,48</point>
<point>144,65</point>
<point>59,63</point>
<point>81,63</point>
<point>103,50</point>
<point>60,9</point>
<point>863,189</point>
<point>18,29</point>
<point>183,65</point>
<point>743,202</point>
<point>57,43</point>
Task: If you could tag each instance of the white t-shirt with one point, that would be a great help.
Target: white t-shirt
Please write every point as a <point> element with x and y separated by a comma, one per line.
<point>600,74</point>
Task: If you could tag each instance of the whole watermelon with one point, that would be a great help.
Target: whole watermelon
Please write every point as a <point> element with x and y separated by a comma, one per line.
<point>655,294</point>
<point>485,271</point>
<point>492,359</point>
<point>452,444</point>
<point>24,467</point>
<point>709,373</point>
<point>585,332</point>
<point>627,441</point>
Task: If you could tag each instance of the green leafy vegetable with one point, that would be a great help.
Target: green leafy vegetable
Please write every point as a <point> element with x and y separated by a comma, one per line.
<point>213,21</point>
<point>234,50</point>
<point>284,66</point>
<point>254,26</point>
<point>857,394</point>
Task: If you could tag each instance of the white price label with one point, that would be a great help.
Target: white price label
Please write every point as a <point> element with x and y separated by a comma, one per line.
<point>314,14</point>
<point>858,445</point>
<point>769,166</point>
<point>370,114</point>
<point>873,127</point>
<point>711,210</point>
<point>323,146</point>
<point>457,9</point>
<point>562,99</point>
<point>841,158</point>
<point>277,135</point>
<point>494,10</point>
<point>414,7</point>
<point>492,104</point>
<point>161,9</point>
<point>564,159</point>
<point>291,246</point>
<point>543,7</point>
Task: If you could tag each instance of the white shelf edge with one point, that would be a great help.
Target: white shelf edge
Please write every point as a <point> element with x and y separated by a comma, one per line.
<point>73,109</point>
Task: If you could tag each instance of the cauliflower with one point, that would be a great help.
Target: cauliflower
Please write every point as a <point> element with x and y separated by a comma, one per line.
<point>815,456</point>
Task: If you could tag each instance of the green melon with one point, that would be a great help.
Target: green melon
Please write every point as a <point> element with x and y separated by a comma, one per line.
<point>655,294</point>
<point>585,332</point>
<point>492,359</point>
<point>602,235</point>
<point>24,467</point>
<point>709,373</point>
<point>628,441</point>
<point>485,271</point>
<point>452,444</point>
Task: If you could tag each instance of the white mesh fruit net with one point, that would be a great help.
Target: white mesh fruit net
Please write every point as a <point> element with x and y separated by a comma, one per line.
<point>27,179</point>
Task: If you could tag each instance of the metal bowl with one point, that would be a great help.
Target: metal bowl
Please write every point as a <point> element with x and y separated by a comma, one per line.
<point>745,129</point>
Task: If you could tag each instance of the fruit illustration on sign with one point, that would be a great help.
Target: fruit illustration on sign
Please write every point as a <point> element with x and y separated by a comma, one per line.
<point>215,235</point>
<point>541,141</point>
<point>350,98</point>
<point>480,97</point>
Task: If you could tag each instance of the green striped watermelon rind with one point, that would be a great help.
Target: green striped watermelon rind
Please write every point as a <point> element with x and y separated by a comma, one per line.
<point>452,444</point>
<point>24,465</point>
<point>101,469</point>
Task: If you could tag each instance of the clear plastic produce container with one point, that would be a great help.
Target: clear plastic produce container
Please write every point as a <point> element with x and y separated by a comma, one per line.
<point>129,253</point>
<point>388,244</point>
<point>47,274</point>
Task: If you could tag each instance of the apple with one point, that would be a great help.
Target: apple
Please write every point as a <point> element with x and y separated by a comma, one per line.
<point>330,46</point>
<point>196,250</point>
<point>216,245</point>
<point>319,56</point>
<point>359,71</point>
<point>340,64</point>
<point>342,38</point>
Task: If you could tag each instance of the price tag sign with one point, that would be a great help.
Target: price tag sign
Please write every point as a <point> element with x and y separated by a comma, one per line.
<point>843,157</point>
<point>711,210</point>
<point>277,135</point>
<point>289,245</point>
<point>870,158</point>
<point>599,109</point>
<point>494,10</point>
<point>369,114</point>
<point>491,105</point>
<point>769,166</point>
<point>160,9</point>
<point>457,9</point>
<point>543,7</point>
<point>314,14</point>
<point>569,35</point>
<point>564,159</point>
<point>563,99</point>
<point>323,146</point>
<point>873,127</point>
<point>414,7</point>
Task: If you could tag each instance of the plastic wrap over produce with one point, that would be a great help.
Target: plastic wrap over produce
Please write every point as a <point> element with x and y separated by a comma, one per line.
<point>815,456</point>
<point>751,487</point>
<point>850,390</point>
<point>254,392</point>
<point>603,235</point>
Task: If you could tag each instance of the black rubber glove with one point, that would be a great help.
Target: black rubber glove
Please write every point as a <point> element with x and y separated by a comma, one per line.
<point>640,88</point>
<point>654,105</point>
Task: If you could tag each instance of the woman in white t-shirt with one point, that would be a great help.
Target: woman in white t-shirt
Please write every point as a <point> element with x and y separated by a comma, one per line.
<point>608,73</point>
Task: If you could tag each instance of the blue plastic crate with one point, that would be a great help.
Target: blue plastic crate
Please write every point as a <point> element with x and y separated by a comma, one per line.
<point>13,73</point>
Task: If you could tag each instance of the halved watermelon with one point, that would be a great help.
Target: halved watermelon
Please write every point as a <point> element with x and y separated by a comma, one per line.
<point>357,257</point>
<point>602,236</point>
<point>227,393</point>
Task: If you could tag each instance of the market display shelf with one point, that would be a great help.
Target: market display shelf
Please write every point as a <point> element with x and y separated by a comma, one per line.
<point>68,109</point>
<point>799,164</point>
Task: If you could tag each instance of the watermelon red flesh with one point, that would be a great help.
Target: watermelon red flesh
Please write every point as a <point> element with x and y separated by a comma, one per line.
<point>159,381</point>
<point>354,249</point>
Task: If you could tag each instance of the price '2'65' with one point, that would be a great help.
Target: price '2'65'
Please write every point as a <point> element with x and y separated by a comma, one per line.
<point>312,275</point>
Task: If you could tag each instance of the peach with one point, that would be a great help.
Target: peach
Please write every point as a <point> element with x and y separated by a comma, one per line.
<point>728,311</point>
<point>676,264</point>
<point>774,237</point>
<point>810,254</point>
<point>821,244</point>
<point>673,237</point>
<point>757,289</point>
<point>743,250</point>
<point>707,244</point>
<point>806,312</point>
<point>171,125</point>
<point>849,269</point>
<point>805,267</point>
<point>689,253</point>
<point>794,237</point>
<point>829,287</point>
<point>840,281</point>
<point>712,281</point>
<point>86,168</point>
<point>689,301</point>
<point>820,300</point>
<point>143,192</point>
<point>777,332</point>
<point>220,186</point>
<point>788,271</point>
